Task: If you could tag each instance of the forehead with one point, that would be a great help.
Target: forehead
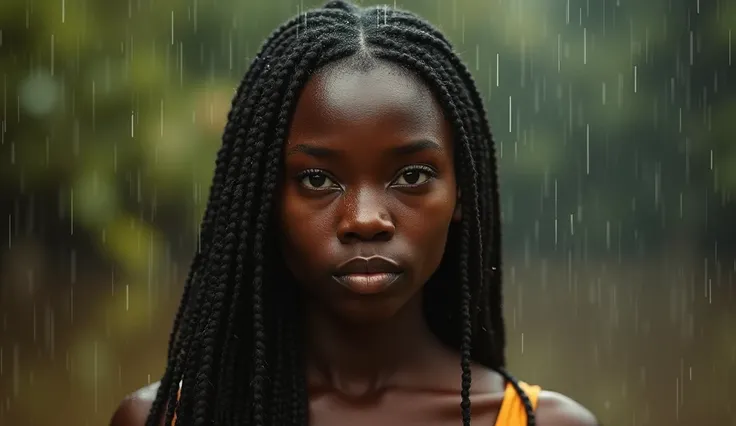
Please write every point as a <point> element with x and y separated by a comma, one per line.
<point>361,92</point>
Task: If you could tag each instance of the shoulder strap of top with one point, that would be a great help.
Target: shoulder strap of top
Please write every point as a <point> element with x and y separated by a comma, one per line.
<point>513,412</point>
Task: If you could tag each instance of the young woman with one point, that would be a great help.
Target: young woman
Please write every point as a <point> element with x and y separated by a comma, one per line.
<point>350,264</point>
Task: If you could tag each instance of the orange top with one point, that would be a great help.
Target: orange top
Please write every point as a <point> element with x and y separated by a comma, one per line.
<point>512,412</point>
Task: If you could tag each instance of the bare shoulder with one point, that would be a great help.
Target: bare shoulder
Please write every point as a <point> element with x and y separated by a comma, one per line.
<point>133,410</point>
<point>555,409</point>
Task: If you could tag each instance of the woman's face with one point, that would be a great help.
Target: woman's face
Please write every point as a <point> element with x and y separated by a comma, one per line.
<point>368,189</point>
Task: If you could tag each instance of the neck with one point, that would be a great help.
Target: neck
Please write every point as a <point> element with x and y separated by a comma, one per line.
<point>360,358</point>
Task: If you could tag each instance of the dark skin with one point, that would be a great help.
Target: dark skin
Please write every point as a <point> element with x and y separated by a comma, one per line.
<point>369,170</point>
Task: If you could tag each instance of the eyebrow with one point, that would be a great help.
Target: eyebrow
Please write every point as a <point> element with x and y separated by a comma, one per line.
<point>403,150</point>
<point>312,151</point>
<point>416,147</point>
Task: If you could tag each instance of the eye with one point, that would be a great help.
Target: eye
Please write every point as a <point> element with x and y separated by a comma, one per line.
<point>415,176</point>
<point>316,180</point>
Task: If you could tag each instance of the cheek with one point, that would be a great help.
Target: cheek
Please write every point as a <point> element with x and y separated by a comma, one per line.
<point>303,232</point>
<point>429,227</point>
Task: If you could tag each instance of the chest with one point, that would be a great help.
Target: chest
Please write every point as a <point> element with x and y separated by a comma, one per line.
<point>402,409</point>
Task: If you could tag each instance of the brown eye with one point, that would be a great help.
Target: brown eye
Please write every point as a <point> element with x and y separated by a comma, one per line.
<point>411,177</point>
<point>317,181</point>
<point>414,176</point>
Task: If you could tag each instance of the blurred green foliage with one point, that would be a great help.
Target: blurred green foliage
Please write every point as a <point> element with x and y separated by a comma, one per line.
<point>612,119</point>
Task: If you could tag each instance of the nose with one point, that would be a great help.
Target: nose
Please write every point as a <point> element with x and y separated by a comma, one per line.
<point>365,218</point>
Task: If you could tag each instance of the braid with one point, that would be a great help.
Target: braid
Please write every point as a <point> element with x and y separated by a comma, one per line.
<point>205,231</point>
<point>241,353</point>
<point>531,419</point>
<point>280,41</point>
<point>422,32</point>
<point>466,343</point>
<point>468,204</point>
<point>480,150</point>
<point>269,185</point>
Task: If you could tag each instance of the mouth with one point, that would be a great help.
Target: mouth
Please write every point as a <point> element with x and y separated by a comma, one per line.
<point>369,275</point>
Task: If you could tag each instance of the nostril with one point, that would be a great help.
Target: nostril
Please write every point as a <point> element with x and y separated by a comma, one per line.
<point>383,236</point>
<point>360,236</point>
<point>365,217</point>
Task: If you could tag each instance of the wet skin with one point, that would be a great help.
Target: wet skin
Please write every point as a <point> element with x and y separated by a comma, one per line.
<point>367,196</point>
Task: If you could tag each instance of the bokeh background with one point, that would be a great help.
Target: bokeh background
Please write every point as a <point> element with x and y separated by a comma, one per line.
<point>615,124</point>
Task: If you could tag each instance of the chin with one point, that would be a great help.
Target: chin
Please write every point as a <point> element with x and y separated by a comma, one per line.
<point>367,310</point>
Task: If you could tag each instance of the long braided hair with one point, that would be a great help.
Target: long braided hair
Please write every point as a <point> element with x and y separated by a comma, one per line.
<point>236,342</point>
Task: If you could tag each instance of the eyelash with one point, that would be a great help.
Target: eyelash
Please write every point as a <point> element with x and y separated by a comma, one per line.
<point>429,171</point>
<point>315,172</point>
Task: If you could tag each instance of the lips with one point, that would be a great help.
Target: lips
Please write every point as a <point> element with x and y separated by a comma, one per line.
<point>368,265</point>
<point>368,275</point>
